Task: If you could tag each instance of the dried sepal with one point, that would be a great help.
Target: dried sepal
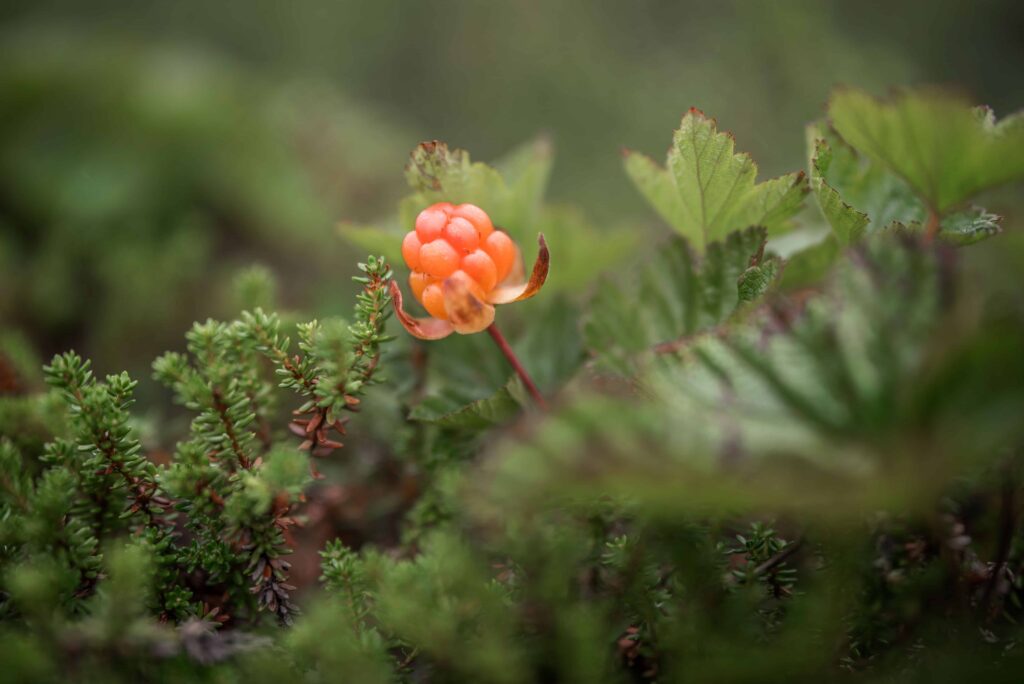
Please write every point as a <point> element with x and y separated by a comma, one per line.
<point>423,328</point>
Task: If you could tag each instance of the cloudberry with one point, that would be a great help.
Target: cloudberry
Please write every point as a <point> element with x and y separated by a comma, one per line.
<point>460,266</point>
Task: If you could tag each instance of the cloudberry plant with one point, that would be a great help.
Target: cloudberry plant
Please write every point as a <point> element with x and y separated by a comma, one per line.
<point>461,267</point>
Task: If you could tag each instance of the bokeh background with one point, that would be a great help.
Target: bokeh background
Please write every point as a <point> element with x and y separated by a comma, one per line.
<point>149,151</point>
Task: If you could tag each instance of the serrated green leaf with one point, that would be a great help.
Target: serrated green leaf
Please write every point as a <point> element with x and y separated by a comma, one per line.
<point>437,173</point>
<point>947,150</point>
<point>858,197</point>
<point>855,195</point>
<point>757,280</point>
<point>512,193</point>
<point>848,223</point>
<point>707,190</point>
<point>809,266</point>
<point>669,297</point>
<point>449,412</point>
<point>962,228</point>
<point>464,370</point>
<point>805,415</point>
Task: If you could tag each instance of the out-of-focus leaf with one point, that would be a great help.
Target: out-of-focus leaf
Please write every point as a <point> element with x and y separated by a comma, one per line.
<point>757,280</point>
<point>468,384</point>
<point>580,251</point>
<point>858,196</point>
<point>437,173</point>
<point>809,266</point>
<point>449,412</point>
<point>962,228</point>
<point>947,150</point>
<point>375,239</point>
<point>671,296</point>
<point>817,413</point>
<point>708,190</point>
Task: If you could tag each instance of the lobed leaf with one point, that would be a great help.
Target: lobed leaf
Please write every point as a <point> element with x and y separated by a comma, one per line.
<point>945,149</point>
<point>858,196</point>
<point>674,295</point>
<point>707,190</point>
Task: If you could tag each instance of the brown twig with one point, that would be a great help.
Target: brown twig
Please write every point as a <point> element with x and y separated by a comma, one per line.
<point>1007,523</point>
<point>779,558</point>
<point>503,345</point>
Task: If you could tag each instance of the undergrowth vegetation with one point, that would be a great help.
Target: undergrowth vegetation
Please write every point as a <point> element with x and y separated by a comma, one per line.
<point>782,442</point>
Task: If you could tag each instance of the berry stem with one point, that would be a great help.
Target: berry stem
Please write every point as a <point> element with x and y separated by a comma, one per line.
<point>503,345</point>
<point>931,228</point>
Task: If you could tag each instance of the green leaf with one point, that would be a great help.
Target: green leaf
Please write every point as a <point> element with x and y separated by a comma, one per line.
<point>385,240</point>
<point>809,267</point>
<point>464,370</point>
<point>708,190</point>
<point>809,413</point>
<point>512,193</point>
<point>856,195</point>
<point>962,228</point>
<point>878,199</point>
<point>580,251</point>
<point>754,282</point>
<point>437,173</point>
<point>944,148</point>
<point>450,412</point>
<point>671,296</point>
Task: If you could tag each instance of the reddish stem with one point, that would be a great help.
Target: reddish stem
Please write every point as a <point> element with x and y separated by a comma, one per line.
<point>931,228</point>
<point>503,345</point>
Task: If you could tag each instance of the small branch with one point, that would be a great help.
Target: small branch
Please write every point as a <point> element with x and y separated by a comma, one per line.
<point>503,345</point>
<point>1007,523</point>
<point>229,429</point>
<point>779,558</point>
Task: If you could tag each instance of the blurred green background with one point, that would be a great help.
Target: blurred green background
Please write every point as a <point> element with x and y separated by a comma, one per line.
<point>148,151</point>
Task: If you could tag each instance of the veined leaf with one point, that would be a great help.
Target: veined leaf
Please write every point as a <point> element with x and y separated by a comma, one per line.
<point>807,414</point>
<point>450,412</point>
<point>708,190</point>
<point>858,196</point>
<point>439,174</point>
<point>673,295</point>
<point>512,196</point>
<point>468,385</point>
<point>962,228</point>
<point>944,148</point>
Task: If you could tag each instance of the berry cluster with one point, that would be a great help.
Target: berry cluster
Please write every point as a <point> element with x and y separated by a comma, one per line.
<point>449,239</point>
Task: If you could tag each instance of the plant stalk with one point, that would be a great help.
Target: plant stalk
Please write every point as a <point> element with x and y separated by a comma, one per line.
<point>503,345</point>
<point>931,228</point>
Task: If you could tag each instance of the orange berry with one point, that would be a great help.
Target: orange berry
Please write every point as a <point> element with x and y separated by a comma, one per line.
<point>461,234</point>
<point>430,223</point>
<point>439,259</point>
<point>411,250</point>
<point>433,301</point>
<point>446,207</point>
<point>477,216</point>
<point>481,269</point>
<point>501,249</point>
<point>418,281</point>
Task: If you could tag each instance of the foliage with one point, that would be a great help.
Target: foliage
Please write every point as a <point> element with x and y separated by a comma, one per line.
<point>738,479</point>
<point>707,190</point>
